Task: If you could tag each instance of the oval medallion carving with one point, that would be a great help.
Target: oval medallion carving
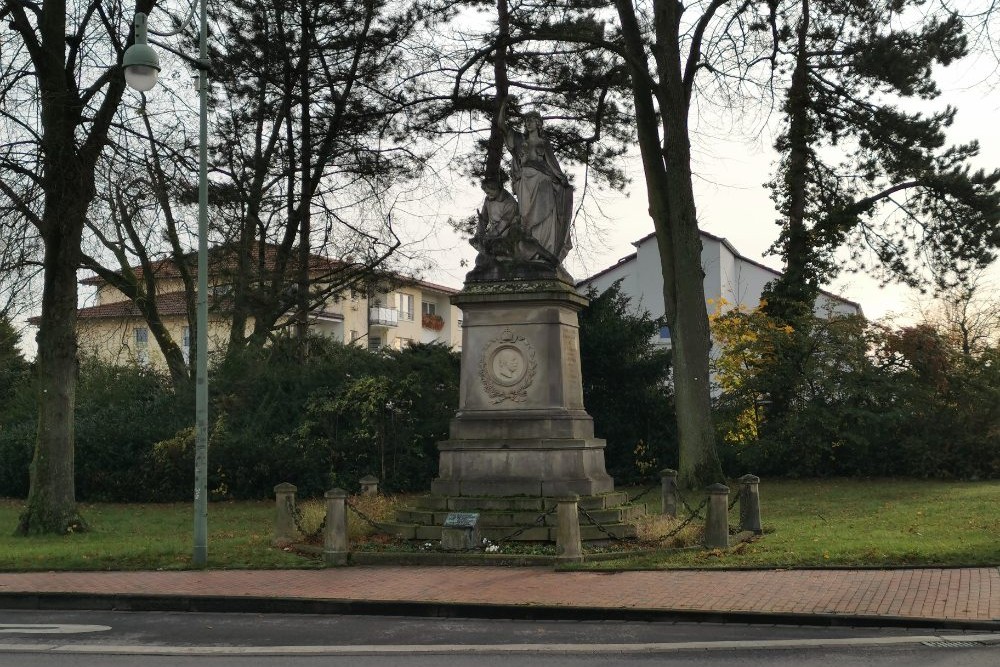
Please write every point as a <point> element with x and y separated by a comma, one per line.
<point>507,367</point>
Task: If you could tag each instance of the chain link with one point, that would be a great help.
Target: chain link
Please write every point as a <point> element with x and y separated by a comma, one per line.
<point>736,499</point>
<point>297,518</point>
<point>367,519</point>
<point>691,517</point>
<point>597,524</point>
<point>539,520</point>
<point>695,511</point>
<point>644,492</point>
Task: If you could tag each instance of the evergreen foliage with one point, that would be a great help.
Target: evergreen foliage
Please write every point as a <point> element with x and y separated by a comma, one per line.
<point>858,169</point>
<point>868,400</point>
<point>626,386</point>
<point>327,421</point>
<point>18,410</point>
<point>13,367</point>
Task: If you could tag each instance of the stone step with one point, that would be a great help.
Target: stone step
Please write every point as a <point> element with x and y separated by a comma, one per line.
<point>515,503</point>
<point>588,532</point>
<point>426,517</point>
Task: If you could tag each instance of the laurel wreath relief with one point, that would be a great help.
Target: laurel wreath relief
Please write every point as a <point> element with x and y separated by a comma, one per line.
<point>515,358</point>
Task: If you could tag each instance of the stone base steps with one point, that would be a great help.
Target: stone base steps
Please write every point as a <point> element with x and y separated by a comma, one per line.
<point>505,518</point>
<point>588,533</point>
<point>500,517</point>
<point>515,503</point>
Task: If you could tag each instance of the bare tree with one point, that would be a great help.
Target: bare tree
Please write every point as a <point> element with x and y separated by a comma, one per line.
<point>967,313</point>
<point>59,90</point>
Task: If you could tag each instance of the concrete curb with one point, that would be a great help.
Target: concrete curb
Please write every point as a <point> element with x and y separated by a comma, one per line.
<point>280,605</point>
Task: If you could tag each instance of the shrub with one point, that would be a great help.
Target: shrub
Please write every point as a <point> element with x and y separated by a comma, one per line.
<point>120,412</point>
<point>841,396</point>
<point>626,386</point>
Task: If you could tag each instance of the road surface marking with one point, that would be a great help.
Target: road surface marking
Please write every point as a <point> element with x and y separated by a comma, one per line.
<point>49,629</point>
<point>430,649</point>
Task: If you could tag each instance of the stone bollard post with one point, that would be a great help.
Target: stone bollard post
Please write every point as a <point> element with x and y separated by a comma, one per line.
<point>750,504</point>
<point>369,485</point>
<point>568,545</point>
<point>284,513</point>
<point>717,519</point>
<point>335,529</point>
<point>668,491</point>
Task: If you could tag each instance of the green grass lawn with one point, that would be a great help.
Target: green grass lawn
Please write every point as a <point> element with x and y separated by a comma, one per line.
<point>824,523</point>
<point>154,536</point>
<point>807,523</point>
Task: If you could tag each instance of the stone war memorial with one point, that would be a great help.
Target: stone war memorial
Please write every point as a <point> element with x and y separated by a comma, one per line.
<point>522,437</point>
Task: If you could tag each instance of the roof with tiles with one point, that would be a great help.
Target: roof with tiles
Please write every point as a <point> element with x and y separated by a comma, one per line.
<point>223,260</point>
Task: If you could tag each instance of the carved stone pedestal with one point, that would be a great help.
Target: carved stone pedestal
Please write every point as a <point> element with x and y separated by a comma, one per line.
<point>521,427</point>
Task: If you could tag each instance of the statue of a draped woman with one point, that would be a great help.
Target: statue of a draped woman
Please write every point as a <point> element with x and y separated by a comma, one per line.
<point>544,195</point>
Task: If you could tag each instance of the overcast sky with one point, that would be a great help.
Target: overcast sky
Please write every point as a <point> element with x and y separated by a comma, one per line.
<point>731,167</point>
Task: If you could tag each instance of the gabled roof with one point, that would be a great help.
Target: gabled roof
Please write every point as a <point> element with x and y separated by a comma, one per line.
<point>167,304</point>
<point>624,260</point>
<point>223,261</point>
<point>729,246</point>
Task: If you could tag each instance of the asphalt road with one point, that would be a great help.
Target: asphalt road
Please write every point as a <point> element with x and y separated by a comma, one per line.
<point>85,638</point>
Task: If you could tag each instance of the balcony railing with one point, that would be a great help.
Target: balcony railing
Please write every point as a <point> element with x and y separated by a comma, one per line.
<point>381,316</point>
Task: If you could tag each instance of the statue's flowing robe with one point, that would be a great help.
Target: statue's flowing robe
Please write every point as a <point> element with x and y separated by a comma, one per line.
<point>545,204</point>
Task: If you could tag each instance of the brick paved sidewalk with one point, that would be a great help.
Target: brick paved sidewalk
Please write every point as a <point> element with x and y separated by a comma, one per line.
<point>967,594</point>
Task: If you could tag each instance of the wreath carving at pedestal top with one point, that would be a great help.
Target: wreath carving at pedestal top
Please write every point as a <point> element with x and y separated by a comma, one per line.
<point>508,367</point>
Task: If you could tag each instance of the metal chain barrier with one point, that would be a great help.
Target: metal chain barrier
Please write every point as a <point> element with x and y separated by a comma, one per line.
<point>582,510</point>
<point>644,492</point>
<point>539,520</point>
<point>694,514</point>
<point>297,518</point>
<point>694,511</point>
<point>691,517</point>
<point>367,519</point>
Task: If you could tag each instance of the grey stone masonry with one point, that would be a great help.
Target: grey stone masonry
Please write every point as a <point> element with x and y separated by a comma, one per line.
<point>369,485</point>
<point>284,513</point>
<point>521,427</point>
<point>568,543</point>
<point>717,519</point>
<point>335,530</point>
<point>750,504</point>
<point>500,517</point>
<point>668,491</point>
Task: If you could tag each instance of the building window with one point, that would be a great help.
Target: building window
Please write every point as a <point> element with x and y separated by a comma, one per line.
<point>405,306</point>
<point>141,345</point>
<point>429,308</point>
<point>403,343</point>
<point>374,343</point>
<point>186,344</point>
<point>665,333</point>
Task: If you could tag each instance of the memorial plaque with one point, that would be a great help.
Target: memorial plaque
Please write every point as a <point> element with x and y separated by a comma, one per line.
<point>461,520</point>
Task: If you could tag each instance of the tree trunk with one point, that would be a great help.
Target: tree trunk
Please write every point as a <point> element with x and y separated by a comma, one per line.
<point>667,166</point>
<point>494,148</point>
<point>305,198</point>
<point>791,296</point>
<point>51,506</point>
<point>698,464</point>
<point>69,157</point>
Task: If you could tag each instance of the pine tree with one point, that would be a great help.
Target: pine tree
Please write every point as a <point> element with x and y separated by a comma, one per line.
<point>857,169</point>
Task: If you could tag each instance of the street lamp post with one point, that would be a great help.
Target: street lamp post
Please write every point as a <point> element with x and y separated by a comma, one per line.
<point>141,65</point>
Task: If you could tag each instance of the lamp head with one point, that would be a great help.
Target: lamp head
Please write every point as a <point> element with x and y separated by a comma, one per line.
<point>140,62</point>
